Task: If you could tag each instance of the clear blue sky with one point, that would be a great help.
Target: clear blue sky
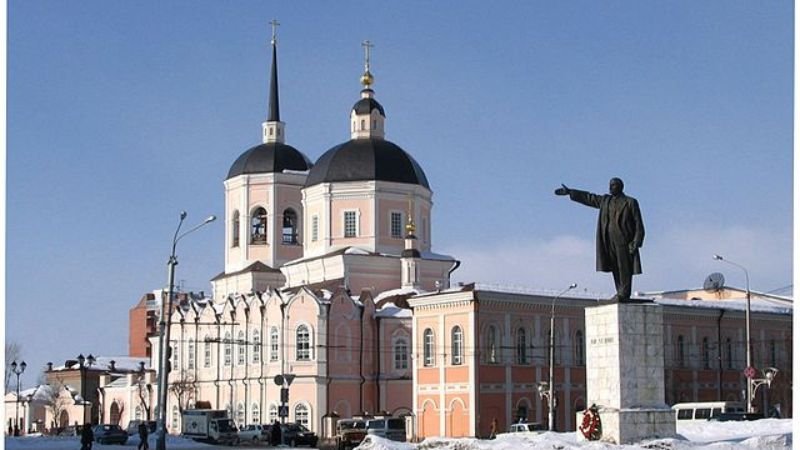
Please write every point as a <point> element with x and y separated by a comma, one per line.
<point>121,114</point>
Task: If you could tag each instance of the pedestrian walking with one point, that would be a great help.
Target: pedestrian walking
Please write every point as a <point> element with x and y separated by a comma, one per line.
<point>143,445</point>
<point>87,436</point>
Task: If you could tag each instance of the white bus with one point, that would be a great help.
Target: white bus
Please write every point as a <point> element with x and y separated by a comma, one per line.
<point>685,412</point>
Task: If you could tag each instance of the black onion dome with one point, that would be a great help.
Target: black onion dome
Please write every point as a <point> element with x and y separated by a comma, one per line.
<point>366,105</point>
<point>269,158</point>
<point>364,160</point>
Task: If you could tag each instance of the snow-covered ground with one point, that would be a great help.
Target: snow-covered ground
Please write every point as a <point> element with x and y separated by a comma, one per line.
<point>765,434</point>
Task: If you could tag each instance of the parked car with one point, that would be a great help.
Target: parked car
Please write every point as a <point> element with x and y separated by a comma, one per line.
<point>526,427</point>
<point>133,427</point>
<point>350,433</point>
<point>296,434</point>
<point>390,428</point>
<point>110,434</point>
<point>69,430</point>
<point>255,433</point>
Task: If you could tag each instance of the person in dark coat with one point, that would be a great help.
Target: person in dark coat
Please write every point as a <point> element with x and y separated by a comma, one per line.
<point>620,233</point>
<point>275,434</point>
<point>143,445</point>
<point>87,436</point>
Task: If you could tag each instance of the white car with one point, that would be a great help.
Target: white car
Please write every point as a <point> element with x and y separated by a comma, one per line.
<point>527,427</point>
<point>255,433</point>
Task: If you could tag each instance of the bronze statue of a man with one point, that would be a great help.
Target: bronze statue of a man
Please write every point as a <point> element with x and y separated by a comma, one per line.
<point>620,233</point>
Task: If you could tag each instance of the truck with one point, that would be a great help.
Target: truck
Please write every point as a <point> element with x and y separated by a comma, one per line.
<point>209,425</point>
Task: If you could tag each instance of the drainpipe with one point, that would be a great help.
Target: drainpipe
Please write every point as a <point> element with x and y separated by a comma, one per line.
<point>456,265</point>
<point>719,354</point>
<point>378,358</point>
<point>361,360</point>
<point>328,362</point>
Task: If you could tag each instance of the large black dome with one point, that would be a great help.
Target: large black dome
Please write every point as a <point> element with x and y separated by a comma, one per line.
<point>366,159</point>
<point>269,158</point>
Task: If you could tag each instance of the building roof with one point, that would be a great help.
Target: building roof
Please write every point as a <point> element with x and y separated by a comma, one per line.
<point>257,266</point>
<point>367,105</point>
<point>367,159</point>
<point>272,157</point>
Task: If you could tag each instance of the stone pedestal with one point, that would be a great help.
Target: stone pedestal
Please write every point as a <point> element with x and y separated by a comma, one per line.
<point>625,372</point>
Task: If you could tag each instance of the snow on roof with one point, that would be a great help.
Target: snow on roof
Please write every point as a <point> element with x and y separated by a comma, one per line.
<point>356,251</point>
<point>396,292</point>
<point>756,305</point>
<point>436,256</point>
<point>516,289</point>
<point>391,310</point>
<point>103,363</point>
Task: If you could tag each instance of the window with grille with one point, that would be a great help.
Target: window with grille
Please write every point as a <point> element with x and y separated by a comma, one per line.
<point>400,354</point>
<point>681,351</point>
<point>207,353</point>
<point>290,227</point>
<point>254,413</point>
<point>228,349</point>
<point>190,355</point>
<point>522,348</point>
<point>256,347</point>
<point>241,348</point>
<point>397,224</point>
<point>457,351</point>
<point>235,229</point>
<point>706,353</point>
<point>303,343</point>
<point>350,225</point>
<point>273,344</point>
<point>301,415</point>
<point>491,345</point>
<point>240,413</point>
<point>273,413</point>
<point>428,353</point>
<point>314,228</point>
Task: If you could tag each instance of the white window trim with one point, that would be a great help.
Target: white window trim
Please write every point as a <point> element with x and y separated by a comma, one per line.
<point>311,354</point>
<point>407,341</point>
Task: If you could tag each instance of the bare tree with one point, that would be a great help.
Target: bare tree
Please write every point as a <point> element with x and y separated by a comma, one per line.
<point>13,353</point>
<point>183,389</point>
<point>54,400</point>
<point>144,390</point>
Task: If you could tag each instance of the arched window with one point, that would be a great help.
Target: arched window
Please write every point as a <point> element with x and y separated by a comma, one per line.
<point>400,354</point>
<point>256,347</point>
<point>522,347</point>
<point>240,414</point>
<point>207,352</point>
<point>255,413</point>
<point>228,349</point>
<point>176,357</point>
<point>241,348</point>
<point>114,413</point>
<point>258,226</point>
<point>729,352</point>
<point>273,344</point>
<point>681,351</point>
<point>190,355</point>
<point>301,415</point>
<point>580,344</point>
<point>457,352</point>
<point>303,343</point>
<point>273,413</point>
<point>706,354</point>
<point>289,226</point>
<point>235,224</point>
<point>427,343</point>
<point>491,345</point>
<point>138,413</point>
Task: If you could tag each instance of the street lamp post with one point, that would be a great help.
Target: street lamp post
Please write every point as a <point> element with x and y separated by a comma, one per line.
<point>747,329</point>
<point>17,369</point>
<point>90,360</point>
<point>547,390</point>
<point>163,341</point>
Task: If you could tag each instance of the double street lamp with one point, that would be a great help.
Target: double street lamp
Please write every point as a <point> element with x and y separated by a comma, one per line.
<point>82,363</point>
<point>547,389</point>
<point>163,341</point>
<point>17,369</point>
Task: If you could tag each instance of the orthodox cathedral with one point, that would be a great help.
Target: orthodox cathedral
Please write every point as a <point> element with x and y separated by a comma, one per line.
<point>333,304</point>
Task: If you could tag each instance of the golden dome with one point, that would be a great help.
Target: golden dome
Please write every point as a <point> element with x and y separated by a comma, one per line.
<point>367,79</point>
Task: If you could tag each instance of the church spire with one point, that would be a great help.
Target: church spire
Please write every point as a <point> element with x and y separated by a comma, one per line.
<point>273,128</point>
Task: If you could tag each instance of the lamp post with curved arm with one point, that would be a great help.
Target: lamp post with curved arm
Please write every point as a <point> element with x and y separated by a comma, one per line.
<point>547,389</point>
<point>163,341</point>
<point>747,329</point>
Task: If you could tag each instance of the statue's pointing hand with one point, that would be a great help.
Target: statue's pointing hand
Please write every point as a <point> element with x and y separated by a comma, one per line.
<point>563,190</point>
